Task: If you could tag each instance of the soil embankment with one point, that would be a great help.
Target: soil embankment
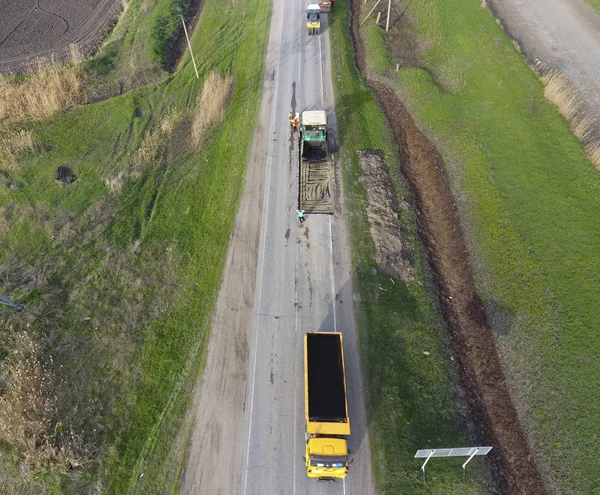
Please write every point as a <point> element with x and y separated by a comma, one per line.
<point>439,223</point>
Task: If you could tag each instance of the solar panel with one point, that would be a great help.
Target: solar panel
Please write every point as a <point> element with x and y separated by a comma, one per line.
<point>458,452</point>
<point>469,452</point>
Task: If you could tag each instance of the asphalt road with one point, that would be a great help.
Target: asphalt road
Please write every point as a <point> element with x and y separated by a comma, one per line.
<point>299,279</point>
<point>297,288</point>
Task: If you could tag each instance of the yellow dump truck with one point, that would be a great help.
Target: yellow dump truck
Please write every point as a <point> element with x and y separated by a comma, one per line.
<point>313,18</point>
<point>326,407</point>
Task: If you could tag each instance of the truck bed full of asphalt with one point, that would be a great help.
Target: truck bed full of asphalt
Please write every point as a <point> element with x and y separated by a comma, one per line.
<point>326,390</point>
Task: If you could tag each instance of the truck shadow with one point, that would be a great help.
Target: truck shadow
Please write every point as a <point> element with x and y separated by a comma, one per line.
<point>342,320</point>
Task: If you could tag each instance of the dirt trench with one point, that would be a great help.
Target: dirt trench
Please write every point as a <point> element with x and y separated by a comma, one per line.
<point>438,220</point>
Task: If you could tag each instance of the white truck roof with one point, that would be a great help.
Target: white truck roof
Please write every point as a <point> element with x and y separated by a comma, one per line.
<point>313,6</point>
<point>314,117</point>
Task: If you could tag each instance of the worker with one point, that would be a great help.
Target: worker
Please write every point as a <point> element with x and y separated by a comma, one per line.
<point>294,121</point>
<point>300,215</point>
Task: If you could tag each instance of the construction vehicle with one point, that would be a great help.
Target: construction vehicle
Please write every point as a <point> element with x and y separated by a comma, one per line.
<point>313,145</point>
<point>326,6</point>
<point>315,164</point>
<point>326,407</point>
<point>313,18</point>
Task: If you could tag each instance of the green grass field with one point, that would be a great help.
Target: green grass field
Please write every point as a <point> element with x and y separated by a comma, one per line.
<point>120,270</point>
<point>411,397</point>
<point>530,201</point>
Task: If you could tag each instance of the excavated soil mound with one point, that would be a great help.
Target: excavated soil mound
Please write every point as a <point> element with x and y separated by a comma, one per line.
<point>439,222</point>
<point>32,29</point>
<point>392,249</point>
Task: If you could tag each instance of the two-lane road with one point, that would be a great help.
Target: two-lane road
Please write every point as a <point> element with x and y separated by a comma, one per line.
<point>303,283</point>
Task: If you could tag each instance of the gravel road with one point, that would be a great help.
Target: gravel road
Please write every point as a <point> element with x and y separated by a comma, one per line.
<point>281,281</point>
<point>563,34</point>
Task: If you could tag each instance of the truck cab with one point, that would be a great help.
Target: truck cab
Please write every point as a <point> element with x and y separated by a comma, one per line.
<point>326,458</point>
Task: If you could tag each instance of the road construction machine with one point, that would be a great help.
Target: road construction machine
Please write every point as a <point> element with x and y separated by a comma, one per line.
<point>326,407</point>
<point>313,19</point>
<point>315,164</point>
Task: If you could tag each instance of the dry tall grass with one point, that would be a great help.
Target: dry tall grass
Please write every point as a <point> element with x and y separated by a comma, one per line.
<point>51,87</point>
<point>154,140</point>
<point>566,99</point>
<point>29,407</point>
<point>210,106</point>
<point>11,144</point>
<point>3,220</point>
<point>116,182</point>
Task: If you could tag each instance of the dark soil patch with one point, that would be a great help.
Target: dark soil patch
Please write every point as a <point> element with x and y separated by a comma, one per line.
<point>392,249</point>
<point>64,174</point>
<point>439,224</point>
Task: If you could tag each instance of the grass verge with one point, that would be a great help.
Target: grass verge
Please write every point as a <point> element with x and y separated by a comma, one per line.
<point>119,271</point>
<point>529,199</point>
<point>412,399</point>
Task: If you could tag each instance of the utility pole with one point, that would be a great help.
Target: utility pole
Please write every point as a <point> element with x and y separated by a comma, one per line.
<point>370,12</point>
<point>387,24</point>
<point>190,46</point>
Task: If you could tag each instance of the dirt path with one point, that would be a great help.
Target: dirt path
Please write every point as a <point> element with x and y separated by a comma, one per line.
<point>439,223</point>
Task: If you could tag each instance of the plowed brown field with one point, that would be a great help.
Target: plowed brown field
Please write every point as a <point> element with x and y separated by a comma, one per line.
<point>32,29</point>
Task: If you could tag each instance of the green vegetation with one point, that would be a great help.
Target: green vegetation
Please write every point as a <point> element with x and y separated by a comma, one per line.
<point>137,50</point>
<point>166,25</point>
<point>411,396</point>
<point>530,201</point>
<point>119,271</point>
